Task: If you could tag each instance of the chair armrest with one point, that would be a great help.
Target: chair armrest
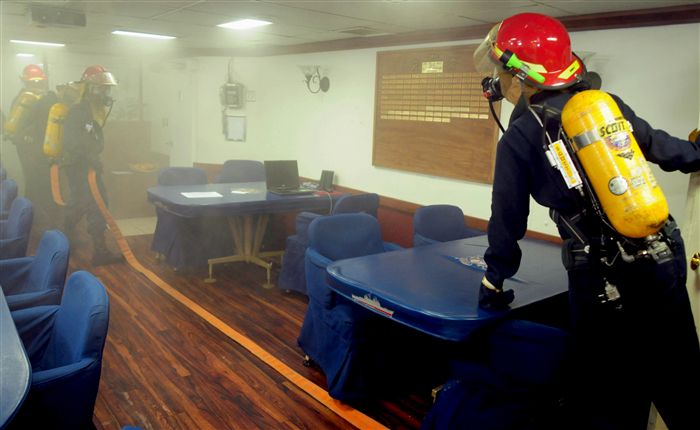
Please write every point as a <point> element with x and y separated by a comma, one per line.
<point>420,240</point>
<point>50,296</point>
<point>13,273</point>
<point>472,232</point>
<point>34,326</point>
<point>391,246</point>
<point>13,247</point>
<point>301,224</point>
<point>316,286</point>
<point>60,374</point>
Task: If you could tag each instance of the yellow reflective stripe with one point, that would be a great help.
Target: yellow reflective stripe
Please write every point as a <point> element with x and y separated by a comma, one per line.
<point>536,67</point>
<point>566,74</point>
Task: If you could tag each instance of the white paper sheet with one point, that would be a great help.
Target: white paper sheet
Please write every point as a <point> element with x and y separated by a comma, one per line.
<point>201,194</point>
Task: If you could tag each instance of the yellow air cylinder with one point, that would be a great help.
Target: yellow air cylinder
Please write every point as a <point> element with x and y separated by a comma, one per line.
<point>53,139</point>
<point>18,111</point>
<point>604,144</point>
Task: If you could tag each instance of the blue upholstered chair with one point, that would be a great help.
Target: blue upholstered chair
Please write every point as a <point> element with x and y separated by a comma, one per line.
<point>37,280</point>
<point>440,223</point>
<point>14,231</point>
<point>188,242</point>
<point>519,384</point>
<point>64,344</point>
<point>8,194</point>
<point>340,336</point>
<point>3,173</point>
<point>241,171</point>
<point>291,277</point>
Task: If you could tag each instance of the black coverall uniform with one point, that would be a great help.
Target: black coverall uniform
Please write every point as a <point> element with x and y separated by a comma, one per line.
<point>622,359</point>
<point>29,141</point>
<point>83,143</point>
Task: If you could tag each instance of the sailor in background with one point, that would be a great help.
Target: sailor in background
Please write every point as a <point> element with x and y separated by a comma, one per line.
<point>25,127</point>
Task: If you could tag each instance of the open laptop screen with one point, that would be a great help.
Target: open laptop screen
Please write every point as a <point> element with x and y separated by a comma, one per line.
<point>282,174</point>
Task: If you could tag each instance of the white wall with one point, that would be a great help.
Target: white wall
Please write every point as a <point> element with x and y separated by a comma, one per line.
<point>334,130</point>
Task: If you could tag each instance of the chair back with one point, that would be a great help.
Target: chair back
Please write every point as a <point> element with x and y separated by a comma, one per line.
<point>8,194</point>
<point>50,262</point>
<point>241,171</point>
<point>14,231</point>
<point>182,176</point>
<point>351,203</point>
<point>441,223</point>
<point>3,173</point>
<point>345,236</point>
<point>80,327</point>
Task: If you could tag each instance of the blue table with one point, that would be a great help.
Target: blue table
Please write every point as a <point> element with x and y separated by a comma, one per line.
<point>428,289</point>
<point>15,371</point>
<point>247,205</point>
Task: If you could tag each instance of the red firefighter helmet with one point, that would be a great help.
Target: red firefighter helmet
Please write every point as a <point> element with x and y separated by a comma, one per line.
<point>33,73</point>
<point>98,75</point>
<point>533,47</point>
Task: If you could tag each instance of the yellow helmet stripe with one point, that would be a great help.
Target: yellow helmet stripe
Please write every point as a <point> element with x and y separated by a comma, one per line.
<point>566,74</point>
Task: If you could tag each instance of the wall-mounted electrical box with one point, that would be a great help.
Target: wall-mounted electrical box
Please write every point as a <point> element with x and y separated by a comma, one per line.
<point>232,96</point>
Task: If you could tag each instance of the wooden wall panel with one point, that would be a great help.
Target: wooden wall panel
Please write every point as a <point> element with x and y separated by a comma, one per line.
<point>430,116</point>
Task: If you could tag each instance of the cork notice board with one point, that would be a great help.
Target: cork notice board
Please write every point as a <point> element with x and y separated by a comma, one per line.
<point>430,115</point>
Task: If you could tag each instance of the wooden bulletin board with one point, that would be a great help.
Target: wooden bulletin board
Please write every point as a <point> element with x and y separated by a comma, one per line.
<point>430,115</point>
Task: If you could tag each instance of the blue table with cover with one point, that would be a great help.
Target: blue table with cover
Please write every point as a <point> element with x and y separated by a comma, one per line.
<point>435,288</point>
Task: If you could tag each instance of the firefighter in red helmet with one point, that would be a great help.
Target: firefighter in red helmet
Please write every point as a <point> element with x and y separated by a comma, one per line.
<point>83,143</point>
<point>25,127</point>
<point>634,340</point>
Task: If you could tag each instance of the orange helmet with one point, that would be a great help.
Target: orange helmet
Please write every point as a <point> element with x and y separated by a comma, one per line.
<point>533,47</point>
<point>33,73</point>
<point>98,75</point>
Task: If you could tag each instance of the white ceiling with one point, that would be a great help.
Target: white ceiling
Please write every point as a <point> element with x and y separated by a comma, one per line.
<point>294,22</point>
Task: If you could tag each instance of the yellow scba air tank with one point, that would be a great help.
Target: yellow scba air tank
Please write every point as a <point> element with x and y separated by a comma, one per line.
<point>53,138</point>
<point>19,109</point>
<point>604,144</point>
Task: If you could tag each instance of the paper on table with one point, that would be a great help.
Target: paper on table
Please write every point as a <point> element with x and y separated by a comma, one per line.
<point>201,194</point>
<point>244,191</point>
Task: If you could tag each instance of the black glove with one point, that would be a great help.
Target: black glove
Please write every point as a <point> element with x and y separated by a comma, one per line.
<point>494,300</point>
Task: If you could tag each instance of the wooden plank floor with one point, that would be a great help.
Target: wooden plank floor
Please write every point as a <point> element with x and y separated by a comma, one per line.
<point>166,368</point>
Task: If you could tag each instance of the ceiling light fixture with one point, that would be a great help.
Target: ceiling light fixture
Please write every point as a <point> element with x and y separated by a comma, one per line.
<point>244,24</point>
<point>33,42</point>
<point>24,54</point>
<point>144,35</point>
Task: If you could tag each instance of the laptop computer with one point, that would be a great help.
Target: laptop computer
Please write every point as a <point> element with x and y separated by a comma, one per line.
<point>282,177</point>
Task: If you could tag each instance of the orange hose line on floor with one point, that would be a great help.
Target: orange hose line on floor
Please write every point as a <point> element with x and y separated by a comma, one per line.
<point>351,415</point>
<point>55,186</point>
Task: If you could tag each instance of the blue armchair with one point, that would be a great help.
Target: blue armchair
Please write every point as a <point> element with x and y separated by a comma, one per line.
<point>37,280</point>
<point>8,194</point>
<point>440,223</point>
<point>518,384</point>
<point>352,345</point>
<point>14,231</point>
<point>64,344</point>
<point>241,171</point>
<point>188,242</point>
<point>292,277</point>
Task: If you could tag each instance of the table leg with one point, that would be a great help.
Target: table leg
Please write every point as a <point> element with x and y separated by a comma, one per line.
<point>248,233</point>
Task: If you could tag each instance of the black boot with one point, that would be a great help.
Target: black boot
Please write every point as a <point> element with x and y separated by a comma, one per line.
<point>101,255</point>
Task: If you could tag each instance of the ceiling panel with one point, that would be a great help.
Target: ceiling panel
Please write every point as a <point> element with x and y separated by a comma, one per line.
<point>294,22</point>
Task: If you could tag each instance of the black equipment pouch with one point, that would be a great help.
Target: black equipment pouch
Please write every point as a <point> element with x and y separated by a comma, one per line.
<point>575,255</point>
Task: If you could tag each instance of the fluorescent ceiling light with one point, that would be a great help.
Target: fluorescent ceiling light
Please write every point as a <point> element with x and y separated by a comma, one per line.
<point>24,54</point>
<point>244,24</point>
<point>31,42</point>
<point>146,35</point>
